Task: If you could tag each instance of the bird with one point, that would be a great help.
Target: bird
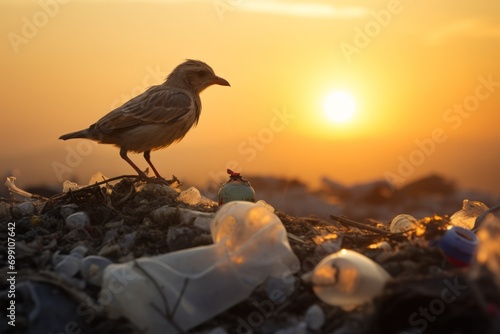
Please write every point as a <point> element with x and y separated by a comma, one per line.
<point>158,117</point>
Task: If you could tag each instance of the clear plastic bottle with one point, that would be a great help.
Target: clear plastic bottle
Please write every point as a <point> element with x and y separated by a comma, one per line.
<point>348,279</point>
<point>176,291</point>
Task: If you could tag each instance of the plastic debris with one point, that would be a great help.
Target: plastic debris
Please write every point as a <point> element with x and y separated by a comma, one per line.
<point>92,268</point>
<point>403,223</point>
<point>53,309</point>
<point>466,217</point>
<point>179,290</point>
<point>200,219</point>
<point>190,196</point>
<point>494,212</point>
<point>459,245</point>
<point>488,252</point>
<point>97,178</point>
<point>236,189</point>
<point>348,279</point>
<point>265,204</point>
<point>70,186</point>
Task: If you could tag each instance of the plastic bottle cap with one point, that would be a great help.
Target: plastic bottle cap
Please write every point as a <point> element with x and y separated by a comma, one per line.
<point>459,245</point>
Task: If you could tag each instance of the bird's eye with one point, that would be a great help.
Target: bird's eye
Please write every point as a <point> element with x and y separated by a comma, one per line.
<point>202,73</point>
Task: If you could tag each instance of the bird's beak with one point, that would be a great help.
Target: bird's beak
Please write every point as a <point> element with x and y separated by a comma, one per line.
<point>220,81</point>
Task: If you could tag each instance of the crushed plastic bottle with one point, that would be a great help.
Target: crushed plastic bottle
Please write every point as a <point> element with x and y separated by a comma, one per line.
<point>236,189</point>
<point>466,217</point>
<point>348,279</point>
<point>177,291</point>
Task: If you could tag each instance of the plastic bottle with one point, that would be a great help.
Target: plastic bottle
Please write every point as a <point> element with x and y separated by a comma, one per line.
<point>176,291</point>
<point>236,189</point>
<point>348,279</point>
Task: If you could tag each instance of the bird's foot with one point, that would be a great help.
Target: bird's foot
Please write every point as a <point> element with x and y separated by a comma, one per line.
<point>159,180</point>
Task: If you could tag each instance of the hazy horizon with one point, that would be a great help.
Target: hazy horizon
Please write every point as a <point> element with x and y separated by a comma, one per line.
<point>425,79</point>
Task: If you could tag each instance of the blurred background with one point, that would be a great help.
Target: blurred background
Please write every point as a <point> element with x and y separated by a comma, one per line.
<point>322,92</point>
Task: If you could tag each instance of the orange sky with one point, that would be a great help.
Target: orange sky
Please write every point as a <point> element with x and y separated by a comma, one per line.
<point>411,66</point>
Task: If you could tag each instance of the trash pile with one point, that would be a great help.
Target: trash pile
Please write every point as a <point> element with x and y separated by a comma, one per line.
<point>123,256</point>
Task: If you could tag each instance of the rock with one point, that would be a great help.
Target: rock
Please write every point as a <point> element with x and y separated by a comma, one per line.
<point>77,220</point>
<point>156,190</point>
<point>165,214</point>
<point>4,210</point>
<point>180,237</point>
<point>23,209</point>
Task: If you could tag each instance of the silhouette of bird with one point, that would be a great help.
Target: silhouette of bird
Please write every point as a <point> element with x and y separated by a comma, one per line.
<point>160,116</point>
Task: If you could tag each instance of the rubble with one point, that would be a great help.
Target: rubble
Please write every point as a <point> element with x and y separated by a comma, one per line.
<point>62,262</point>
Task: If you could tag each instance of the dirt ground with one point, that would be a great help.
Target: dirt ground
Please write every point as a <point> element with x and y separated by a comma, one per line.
<point>427,293</point>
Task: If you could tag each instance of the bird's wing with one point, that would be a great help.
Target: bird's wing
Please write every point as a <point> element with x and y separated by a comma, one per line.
<point>157,105</point>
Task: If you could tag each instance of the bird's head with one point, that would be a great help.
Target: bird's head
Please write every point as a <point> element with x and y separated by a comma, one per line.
<point>194,75</point>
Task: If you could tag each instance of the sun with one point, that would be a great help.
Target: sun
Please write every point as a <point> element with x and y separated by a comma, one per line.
<point>339,107</point>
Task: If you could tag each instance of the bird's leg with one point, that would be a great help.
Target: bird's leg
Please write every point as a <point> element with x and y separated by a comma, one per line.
<point>147,155</point>
<point>123,154</point>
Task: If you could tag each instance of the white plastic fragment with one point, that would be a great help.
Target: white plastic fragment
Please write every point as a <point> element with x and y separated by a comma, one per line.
<point>403,223</point>
<point>177,291</point>
<point>263,203</point>
<point>70,186</point>
<point>190,196</point>
<point>99,177</point>
<point>466,217</point>
<point>348,279</point>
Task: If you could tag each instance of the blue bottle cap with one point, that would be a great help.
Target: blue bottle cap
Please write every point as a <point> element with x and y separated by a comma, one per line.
<point>459,245</point>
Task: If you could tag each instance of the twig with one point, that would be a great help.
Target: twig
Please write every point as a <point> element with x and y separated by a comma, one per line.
<point>348,222</point>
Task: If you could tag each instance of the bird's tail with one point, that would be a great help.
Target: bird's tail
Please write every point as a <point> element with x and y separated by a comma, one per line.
<point>76,134</point>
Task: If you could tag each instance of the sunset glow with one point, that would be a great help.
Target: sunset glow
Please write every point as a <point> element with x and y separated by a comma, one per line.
<point>340,107</point>
<point>369,83</point>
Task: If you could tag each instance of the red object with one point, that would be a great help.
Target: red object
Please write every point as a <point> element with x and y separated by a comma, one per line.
<point>232,174</point>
